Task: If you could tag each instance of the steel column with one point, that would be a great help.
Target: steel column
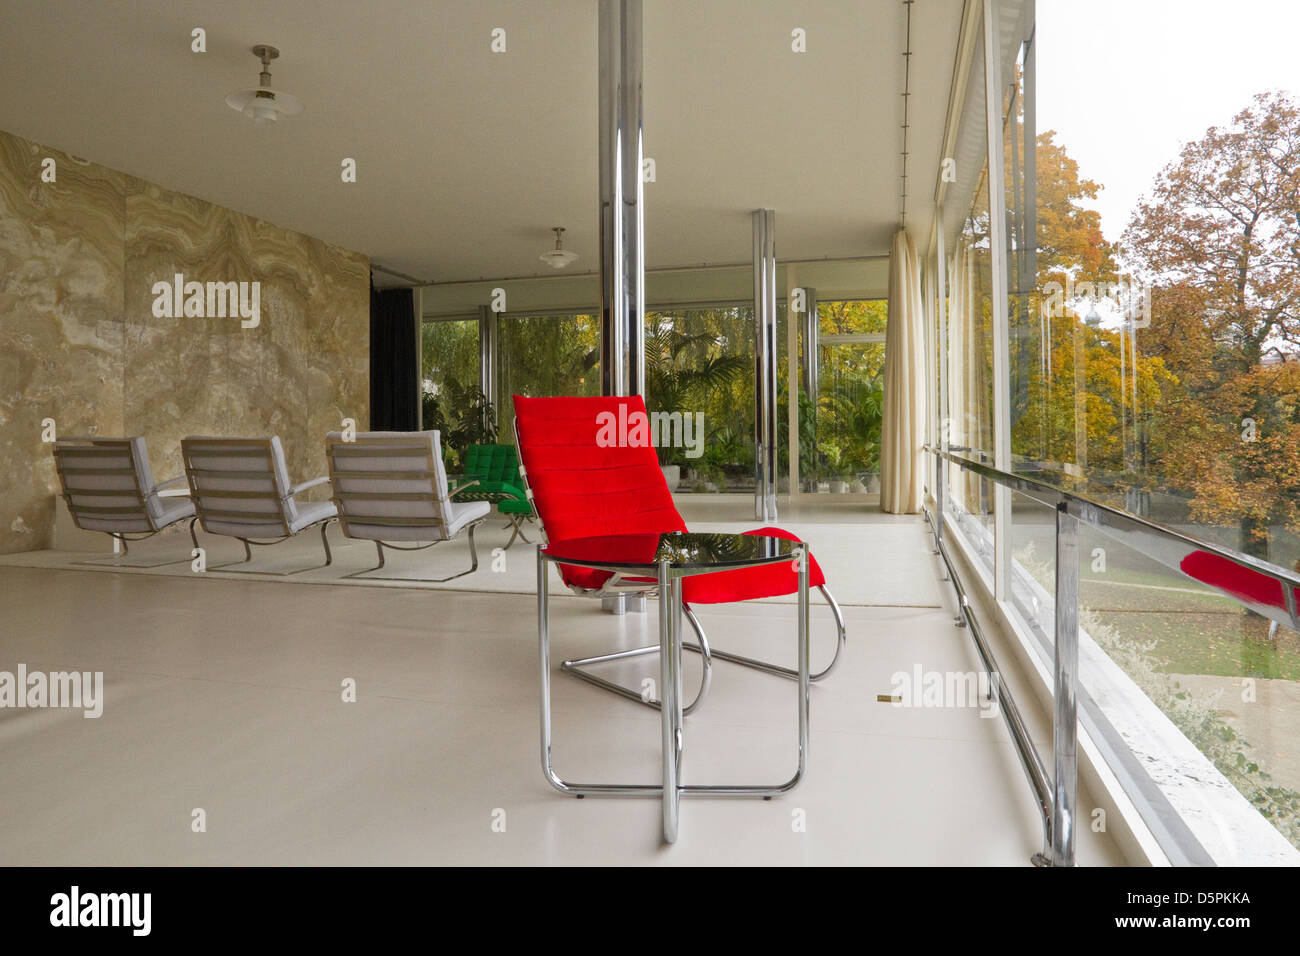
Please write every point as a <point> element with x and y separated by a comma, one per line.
<point>765,428</point>
<point>810,336</point>
<point>487,353</point>
<point>622,220</point>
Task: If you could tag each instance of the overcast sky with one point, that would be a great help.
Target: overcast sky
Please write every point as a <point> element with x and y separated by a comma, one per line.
<point>1126,82</point>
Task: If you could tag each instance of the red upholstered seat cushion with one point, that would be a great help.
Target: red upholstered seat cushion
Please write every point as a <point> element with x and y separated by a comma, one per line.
<point>582,489</point>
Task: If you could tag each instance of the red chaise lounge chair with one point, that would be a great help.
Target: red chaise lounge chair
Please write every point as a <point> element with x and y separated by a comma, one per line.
<point>581,489</point>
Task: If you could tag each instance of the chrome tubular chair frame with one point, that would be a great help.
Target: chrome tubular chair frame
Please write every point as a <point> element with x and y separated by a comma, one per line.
<point>671,789</point>
<point>249,543</point>
<point>517,523</point>
<point>380,545</point>
<point>117,536</point>
<point>575,667</point>
<point>117,562</point>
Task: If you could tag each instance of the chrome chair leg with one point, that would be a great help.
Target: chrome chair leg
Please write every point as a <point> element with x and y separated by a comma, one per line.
<point>248,554</point>
<point>517,522</point>
<point>574,667</point>
<point>121,560</point>
<point>790,672</point>
<point>580,790</point>
<point>473,552</point>
<point>379,548</point>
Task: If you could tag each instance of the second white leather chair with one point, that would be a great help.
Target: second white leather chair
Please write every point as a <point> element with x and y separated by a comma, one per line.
<point>241,489</point>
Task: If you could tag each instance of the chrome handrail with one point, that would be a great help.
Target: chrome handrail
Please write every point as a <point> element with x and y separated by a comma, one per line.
<point>1149,538</point>
<point>1158,542</point>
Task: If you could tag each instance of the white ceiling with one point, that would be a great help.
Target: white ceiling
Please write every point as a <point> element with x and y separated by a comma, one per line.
<point>466,158</point>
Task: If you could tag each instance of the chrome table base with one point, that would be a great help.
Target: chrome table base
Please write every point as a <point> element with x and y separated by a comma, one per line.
<point>576,667</point>
<point>671,789</point>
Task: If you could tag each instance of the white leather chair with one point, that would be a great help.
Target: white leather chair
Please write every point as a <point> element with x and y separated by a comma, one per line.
<point>108,486</point>
<point>241,489</point>
<point>391,488</point>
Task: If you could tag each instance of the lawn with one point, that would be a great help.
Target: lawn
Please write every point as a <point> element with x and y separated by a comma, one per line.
<point>1194,630</point>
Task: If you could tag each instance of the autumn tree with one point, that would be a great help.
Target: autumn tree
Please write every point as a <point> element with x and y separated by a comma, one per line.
<point>1246,473</point>
<point>1218,239</point>
<point>1067,375</point>
<point>1069,237</point>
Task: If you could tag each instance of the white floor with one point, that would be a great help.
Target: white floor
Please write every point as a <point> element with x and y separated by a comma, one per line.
<point>850,559</point>
<point>224,693</point>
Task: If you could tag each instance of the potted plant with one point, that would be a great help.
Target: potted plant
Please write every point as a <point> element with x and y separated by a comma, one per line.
<point>463,415</point>
<point>676,381</point>
<point>672,474</point>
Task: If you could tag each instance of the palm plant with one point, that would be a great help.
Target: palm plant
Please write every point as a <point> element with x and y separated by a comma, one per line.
<point>683,371</point>
<point>858,411</point>
<point>464,416</point>
<point>812,460</point>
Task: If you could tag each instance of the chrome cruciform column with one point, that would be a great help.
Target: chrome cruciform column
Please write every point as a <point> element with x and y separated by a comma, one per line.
<point>622,218</point>
<point>487,353</point>
<point>811,333</point>
<point>765,431</point>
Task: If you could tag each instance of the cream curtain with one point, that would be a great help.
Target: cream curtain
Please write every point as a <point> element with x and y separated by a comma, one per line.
<point>967,381</point>
<point>903,428</point>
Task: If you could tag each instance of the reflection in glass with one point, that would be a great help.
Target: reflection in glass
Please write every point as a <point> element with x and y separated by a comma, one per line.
<point>683,549</point>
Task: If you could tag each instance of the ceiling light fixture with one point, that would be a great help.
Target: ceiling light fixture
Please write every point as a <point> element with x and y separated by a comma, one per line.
<point>263,104</point>
<point>559,257</point>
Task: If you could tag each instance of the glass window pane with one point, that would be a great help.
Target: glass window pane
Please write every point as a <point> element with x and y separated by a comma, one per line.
<point>846,454</point>
<point>449,390</point>
<point>449,355</point>
<point>701,361</point>
<point>1151,369</point>
<point>544,355</point>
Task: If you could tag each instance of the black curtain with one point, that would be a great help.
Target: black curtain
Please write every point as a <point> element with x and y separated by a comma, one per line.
<point>394,363</point>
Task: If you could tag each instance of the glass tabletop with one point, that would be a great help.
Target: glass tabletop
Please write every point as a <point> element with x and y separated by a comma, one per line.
<point>685,550</point>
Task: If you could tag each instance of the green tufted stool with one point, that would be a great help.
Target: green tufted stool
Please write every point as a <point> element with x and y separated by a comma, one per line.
<point>497,469</point>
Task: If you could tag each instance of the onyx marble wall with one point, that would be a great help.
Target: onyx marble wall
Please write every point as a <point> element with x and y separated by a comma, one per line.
<point>79,341</point>
<point>61,323</point>
<point>297,374</point>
